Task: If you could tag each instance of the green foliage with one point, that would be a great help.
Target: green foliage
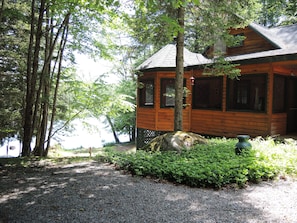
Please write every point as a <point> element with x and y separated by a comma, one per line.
<point>213,165</point>
<point>281,12</point>
<point>14,30</point>
<point>221,66</point>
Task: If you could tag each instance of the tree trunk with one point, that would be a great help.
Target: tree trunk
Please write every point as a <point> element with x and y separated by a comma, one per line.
<point>61,53</point>
<point>1,9</point>
<point>113,129</point>
<point>179,76</point>
<point>32,69</point>
<point>44,90</point>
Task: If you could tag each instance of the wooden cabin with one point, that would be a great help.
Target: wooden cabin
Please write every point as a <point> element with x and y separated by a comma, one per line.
<point>261,102</point>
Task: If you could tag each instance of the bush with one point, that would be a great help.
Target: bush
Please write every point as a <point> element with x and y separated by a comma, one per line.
<point>214,164</point>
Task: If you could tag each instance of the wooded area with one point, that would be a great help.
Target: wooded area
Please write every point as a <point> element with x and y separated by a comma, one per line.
<point>40,91</point>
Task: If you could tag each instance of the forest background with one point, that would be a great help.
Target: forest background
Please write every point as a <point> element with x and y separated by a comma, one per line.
<point>43,91</point>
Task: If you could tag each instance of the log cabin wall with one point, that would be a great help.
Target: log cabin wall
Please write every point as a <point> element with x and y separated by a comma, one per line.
<point>158,118</point>
<point>231,123</point>
<point>268,67</point>
<point>252,43</point>
<point>146,116</point>
<point>221,122</point>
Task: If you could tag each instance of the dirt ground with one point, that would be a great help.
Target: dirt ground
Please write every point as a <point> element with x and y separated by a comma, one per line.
<point>93,192</point>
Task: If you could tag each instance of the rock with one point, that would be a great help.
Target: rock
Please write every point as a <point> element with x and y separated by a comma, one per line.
<point>175,141</point>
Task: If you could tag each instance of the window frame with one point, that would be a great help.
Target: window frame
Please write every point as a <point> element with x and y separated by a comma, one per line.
<point>256,95</point>
<point>241,42</point>
<point>142,93</point>
<point>163,97</point>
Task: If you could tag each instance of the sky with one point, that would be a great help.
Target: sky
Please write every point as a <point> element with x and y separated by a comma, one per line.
<point>89,69</point>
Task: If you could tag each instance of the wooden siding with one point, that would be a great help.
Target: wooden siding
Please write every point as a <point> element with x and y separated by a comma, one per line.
<point>253,42</point>
<point>146,118</point>
<point>157,118</point>
<point>213,122</point>
<point>279,124</point>
<point>229,124</point>
<point>165,120</point>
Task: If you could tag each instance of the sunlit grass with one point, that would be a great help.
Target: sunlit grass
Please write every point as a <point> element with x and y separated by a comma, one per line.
<point>281,155</point>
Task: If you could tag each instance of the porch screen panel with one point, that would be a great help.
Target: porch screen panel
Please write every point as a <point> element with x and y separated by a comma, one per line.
<point>248,93</point>
<point>207,93</point>
<point>279,93</point>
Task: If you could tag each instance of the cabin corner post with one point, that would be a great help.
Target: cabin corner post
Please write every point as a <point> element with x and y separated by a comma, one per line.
<point>269,105</point>
<point>224,94</point>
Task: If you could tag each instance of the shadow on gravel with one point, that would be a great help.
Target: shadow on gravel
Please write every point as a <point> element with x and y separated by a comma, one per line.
<point>95,192</point>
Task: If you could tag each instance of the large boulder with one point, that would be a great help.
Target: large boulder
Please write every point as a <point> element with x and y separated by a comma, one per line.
<point>175,141</point>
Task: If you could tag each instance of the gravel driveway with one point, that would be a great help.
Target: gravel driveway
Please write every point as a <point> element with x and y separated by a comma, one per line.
<point>96,192</point>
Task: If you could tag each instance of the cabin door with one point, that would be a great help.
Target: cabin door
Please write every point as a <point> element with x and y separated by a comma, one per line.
<point>292,105</point>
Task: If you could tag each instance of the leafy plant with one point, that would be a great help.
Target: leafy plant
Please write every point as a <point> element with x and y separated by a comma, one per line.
<point>213,165</point>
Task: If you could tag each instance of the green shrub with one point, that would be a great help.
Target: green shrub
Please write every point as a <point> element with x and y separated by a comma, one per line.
<point>214,164</point>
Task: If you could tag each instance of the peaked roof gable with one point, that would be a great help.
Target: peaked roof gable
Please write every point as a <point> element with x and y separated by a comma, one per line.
<point>266,34</point>
<point>283,38</point>
<point>287,35</point>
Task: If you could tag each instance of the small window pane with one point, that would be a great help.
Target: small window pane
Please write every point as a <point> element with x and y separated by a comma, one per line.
<point>168,92</point>
<point>146,93</point>
<point>169,95</point>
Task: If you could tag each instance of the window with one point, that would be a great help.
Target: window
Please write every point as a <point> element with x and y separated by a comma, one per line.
<point>239,40</point>
<point>242,91</point>
<point>168,92</point>
<point>207,93</point>
<point>279,93</point>
<point>248,93</point>
<point>146,93</point>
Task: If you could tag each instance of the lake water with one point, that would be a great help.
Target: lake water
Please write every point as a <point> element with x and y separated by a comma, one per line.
<point>93,136</point>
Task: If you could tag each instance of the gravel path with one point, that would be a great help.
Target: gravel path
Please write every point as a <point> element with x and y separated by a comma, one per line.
<point>96,192</point>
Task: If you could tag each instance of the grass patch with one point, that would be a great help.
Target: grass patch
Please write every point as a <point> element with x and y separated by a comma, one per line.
<point>213,165</point>
<point>58,155</point>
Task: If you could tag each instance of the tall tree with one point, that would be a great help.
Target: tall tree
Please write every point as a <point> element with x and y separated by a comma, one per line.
<point>125,119</point>
<point>271,11</point>
<point>57,20</point>
<point>14,29</point>
<point>158,22</point>
<point>32,72</point>
<point>275,13</point>
<point>179,77</point>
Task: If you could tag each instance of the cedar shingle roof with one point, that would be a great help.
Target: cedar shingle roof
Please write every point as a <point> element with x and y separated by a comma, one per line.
<point>283,38</point>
